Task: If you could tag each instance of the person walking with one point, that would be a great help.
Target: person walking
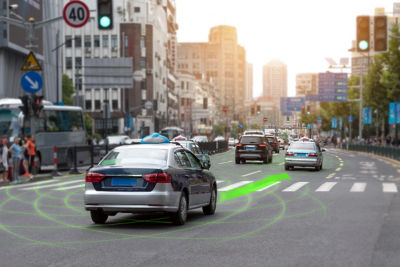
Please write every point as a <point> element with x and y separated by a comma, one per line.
<point>30,147</point>
<point>4,160</point>
<point>16,152</point>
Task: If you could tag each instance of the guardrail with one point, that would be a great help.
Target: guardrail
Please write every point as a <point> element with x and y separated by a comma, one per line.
<point>90,155</point>
<point>386,151</point>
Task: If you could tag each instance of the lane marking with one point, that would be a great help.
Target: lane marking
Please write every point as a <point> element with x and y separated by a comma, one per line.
<point>326,187</point>
<point>69,187</point>
<point>294,187</point>
<point>235,185</point>
<point>51,185</point>
<point>220,181</point>
<point>225,162</point>
<point>358,187</point>
<point>265,188</point>
<point>330,176</point>
<point>389,187</point>
<point>244,175</point>
<point>338,169</point>
<point>29,184</point>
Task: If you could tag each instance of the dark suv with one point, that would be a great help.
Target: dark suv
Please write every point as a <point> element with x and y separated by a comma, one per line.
<point>253,147</point>
<point>273,141</point>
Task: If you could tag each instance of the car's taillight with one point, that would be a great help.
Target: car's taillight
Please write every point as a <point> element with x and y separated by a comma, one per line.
<point>288,154</point>
<point>262,145</point>
<point>239,144</point>
<point>314,155</point>
<point>161,178</point>
<point>93,177</point>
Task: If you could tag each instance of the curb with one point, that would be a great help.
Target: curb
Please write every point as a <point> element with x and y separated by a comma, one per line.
<point>370,155</point>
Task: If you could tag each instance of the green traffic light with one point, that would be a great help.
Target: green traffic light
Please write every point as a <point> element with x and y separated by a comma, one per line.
<point>363,45</point>
<point>105,21</point>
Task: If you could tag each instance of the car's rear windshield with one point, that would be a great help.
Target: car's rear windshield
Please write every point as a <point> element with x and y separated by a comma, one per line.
<point>135,156</point>
<point>271,139</point>
<point>251,140</point>
<point>302,146</point>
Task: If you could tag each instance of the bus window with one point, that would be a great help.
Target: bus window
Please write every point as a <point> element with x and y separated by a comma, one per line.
<point>9,125</point>
<point>76,120</point>
<point>64,121</point>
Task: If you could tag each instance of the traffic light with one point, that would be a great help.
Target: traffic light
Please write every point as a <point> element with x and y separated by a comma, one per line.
<point>380,34</point>
<point>258,109</point>
<point>25,105</point>
<point>363,34</point>
<point>253,110</point>
<point>104,14</point>
<point>303,109</point>
<point>37,104</point>
<point>308,110</point>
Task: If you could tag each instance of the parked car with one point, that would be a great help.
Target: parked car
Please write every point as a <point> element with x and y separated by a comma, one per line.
<point>253,132</point>
<point>149,178</point>
<point>253,147</point>
<point>115,140</point>
<point>195,149</point>
<point>304,154</point>
<point>273,141</point>
<point>219,138</point>
<point>200,138</point>
<point>231,142</point>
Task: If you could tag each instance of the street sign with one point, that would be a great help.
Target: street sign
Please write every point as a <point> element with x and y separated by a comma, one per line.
<point>265,119</point>
<point>312,98</point>
<point>293,103</point>
<point>340,123</point>
<point>148,105</point>
<point>350,119</point>
<point>139,76</point>
<point>76,14</point>
<point>31,82</point>
<point>240,125</point>
<point>334,123</point>
<point>308,126</point>
<point>31,63</point>
<point>276,130</point>
<point>332,87</point>
<point>367,116</point>
<point>319,120</point>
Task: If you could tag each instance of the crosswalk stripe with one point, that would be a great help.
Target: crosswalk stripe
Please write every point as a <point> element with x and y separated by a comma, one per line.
<point>389,187</point>
<point>265,188</point>
<point>235,185</point>
<point>294,187</point>
<point>28,184</point>
<point>358,187</point>
<point>69,187</point>
<point>220,181</point>
<point>244,175</point>
<point>51,185</point>
<point>225,162</point>
<point>326,187</point>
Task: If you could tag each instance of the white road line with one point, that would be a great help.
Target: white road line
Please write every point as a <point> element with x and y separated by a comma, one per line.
<point>69,187</point>
<point>358,187</point>
<point>326,187</point>
<point>225,162</point>
<point>265,188</point>
<point>244,175</point>
<point>220,181</point>
<point>389,187</point>
<point>235,185</point>
<point>51,185</point>
<point>294,187</point>
<point>29,184</point>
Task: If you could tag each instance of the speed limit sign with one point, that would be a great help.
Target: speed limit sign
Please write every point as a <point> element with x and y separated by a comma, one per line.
<point>76,14</point>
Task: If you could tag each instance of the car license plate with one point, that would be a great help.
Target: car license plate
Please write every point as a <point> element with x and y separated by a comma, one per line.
<point>300,154</point>
<point>250,148</point>
<point>123,182</point>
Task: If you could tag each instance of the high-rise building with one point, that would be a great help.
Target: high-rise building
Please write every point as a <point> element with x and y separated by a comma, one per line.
<point>249,78</point>
<point>307,84</point>
<point>223,61</point>
<point>275,80</point>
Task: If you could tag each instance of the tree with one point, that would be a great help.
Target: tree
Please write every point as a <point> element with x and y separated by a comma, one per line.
<point>88,124</point>
<point>67,90</point>
<point>219,130</point>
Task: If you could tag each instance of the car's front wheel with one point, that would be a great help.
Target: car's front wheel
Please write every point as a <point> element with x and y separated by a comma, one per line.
<point>180,216</point>
<point>210,208</point>
<point>98,216</point>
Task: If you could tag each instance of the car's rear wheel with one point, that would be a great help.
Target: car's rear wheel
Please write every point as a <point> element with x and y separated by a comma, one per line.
<point>317,168</point>
<point>270,158</point>
<point>210,209</point>
<point>98,216</point>
<point>266,160</point>
<point>179,218</point>
<point>320,167</point>
<point>243,161</point>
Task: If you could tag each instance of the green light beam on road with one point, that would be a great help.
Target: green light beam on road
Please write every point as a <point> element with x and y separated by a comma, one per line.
<point>250,188</point>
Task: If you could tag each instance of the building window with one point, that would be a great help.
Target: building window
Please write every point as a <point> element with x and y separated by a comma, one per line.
<point>182,85</point>
<point>88,41</point>
<point>114,41</point>
<point>143,62</point>
<point>78,62</point>
<point>78,41</point>
<point>142,42</point>
<point>68,41</point>
<point>88,104</point>
<point>137,9</point>
<point>143,84</point>
<point>105,40</point>
<point>126,41</point>
<point>68,63</point>
<point>96,41</point>
<point>114,104</point>
<point>97,104</point>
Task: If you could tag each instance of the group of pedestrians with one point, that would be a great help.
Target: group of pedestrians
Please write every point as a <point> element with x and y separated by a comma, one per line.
<point>20,155</point>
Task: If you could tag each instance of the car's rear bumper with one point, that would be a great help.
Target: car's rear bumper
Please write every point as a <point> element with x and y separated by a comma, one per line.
<point>301,162</point>
<point>251,155</point>
<point>156,200</point>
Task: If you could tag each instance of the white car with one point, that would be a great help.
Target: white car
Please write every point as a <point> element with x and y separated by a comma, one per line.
<point>200,138</point>
<point>219,138</point>
<point>231,141</point>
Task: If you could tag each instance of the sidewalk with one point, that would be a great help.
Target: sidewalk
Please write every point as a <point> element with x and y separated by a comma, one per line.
<point>36,178</point>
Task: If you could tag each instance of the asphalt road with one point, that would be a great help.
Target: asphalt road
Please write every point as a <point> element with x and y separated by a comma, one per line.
<point>348,214</point>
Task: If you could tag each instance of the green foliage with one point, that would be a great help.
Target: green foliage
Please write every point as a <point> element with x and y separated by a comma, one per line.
<point>88,123</point>
<point>219,130</point>
<point>255,127</point>
<point>67,90</point>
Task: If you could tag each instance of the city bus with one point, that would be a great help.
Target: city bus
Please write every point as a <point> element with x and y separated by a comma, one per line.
<point>61,126</point>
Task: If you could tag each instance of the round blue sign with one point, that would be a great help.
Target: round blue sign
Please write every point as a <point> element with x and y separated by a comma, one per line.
<point>31,82</point>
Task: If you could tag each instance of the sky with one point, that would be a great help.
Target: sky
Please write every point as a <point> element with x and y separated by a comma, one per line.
<point>299,33</point>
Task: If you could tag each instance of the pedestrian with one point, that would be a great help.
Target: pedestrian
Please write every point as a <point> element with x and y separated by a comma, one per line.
<point>31,147</point>
<point>4,160</point>
<point>25,156</point>
<point>16,153</point>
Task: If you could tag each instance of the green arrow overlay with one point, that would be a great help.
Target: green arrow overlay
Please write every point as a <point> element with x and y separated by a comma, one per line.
<point>250,188</point>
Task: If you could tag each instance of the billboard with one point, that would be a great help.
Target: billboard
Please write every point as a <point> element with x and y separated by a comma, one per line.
<point>332,87</point>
